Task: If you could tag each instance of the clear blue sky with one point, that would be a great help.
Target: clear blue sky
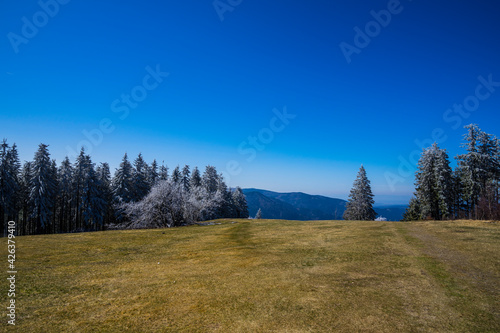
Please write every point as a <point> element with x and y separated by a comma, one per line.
<point>67,71</point>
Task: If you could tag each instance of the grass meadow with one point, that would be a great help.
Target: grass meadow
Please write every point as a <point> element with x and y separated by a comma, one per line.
<point>262,276</point>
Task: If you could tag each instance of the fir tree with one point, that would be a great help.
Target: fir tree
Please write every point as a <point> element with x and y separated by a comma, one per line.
<point>210,179</point>
<point>122,183</point>
<point>258,216</point>
<point>360,203</point>
<point>104,180</point>
<point>176,175</point>
<point>140,179</point>
<point>152,174</point>
<point>27,227</point>
<point>65,195</point>
<point>122,187</point>
<point>91,202</point>
<point>9,183</point>
<point>42,189</point>
<point>163,173</point>
<point>195,180</point>
<point>226,206</point>
<point>240,204</point>
<point>412,213</point>
<point>434,184</point>
<point>186,175</point>
<point>78,179</point>
<point>472,168</point>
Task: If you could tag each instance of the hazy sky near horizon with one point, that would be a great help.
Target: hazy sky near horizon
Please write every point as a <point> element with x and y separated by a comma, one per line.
<point>282,95</point>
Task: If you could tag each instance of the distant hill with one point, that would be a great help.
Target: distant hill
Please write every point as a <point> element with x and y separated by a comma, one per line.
<point>296,205</point>
<point>302,206</point>
<point>271,208</point>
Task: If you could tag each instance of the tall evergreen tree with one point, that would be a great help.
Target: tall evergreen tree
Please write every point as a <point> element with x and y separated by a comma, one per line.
<point>163,172</point>
<point>42,189</point>
<point>186,175</point>
<point>472,168</point>
<point>27,227</point>
<point>152,174</point>
<point>91,202</point>
<point>9,183</point>
<point>140,179</point>
<point>360,203</point>
<point>210,179</point>
<point>65,195</point>
<point>240,204</point>
<point>104,179</point>
<point>195,180</point>
<point>122,183</point>
<point>122,186</point>
<point>434,184</point>
<point>79,175</point>
<point>226,206</point>
<point>412,212</point>
<point>176,175</point>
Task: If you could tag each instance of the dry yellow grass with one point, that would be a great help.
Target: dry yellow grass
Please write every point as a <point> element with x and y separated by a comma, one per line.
<point>262,276</point>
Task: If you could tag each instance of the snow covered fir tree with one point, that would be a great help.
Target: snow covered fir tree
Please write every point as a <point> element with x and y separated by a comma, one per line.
<point>360,204</point>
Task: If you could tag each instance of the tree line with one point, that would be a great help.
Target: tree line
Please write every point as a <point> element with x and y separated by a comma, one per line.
<point>42,197</point>
<point>469,191</point>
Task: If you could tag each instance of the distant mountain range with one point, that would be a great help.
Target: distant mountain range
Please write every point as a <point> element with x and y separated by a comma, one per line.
<point>301,206</point>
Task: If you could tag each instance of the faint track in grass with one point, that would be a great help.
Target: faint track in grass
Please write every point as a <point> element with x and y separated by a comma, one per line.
<point>464,274</point>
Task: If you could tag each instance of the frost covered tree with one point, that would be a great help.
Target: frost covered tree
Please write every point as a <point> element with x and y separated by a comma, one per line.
<point>360,203</point>
<point>199,205</point>
<point>170,205</point>
<point>240,204</point>
<point>42,190</point>
<point>258,216</point>
<point>434,184</point>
